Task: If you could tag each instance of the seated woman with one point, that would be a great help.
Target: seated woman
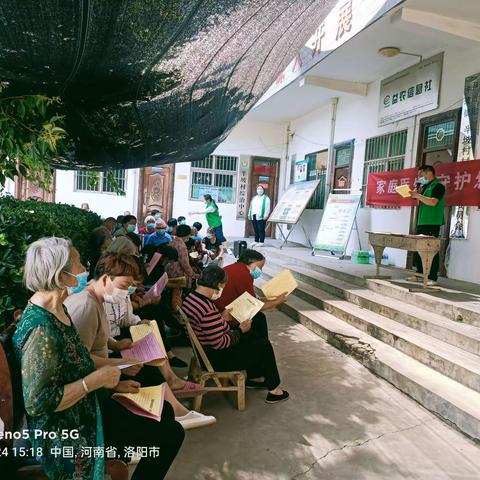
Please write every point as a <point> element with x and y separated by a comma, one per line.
<point>214,248</point>
<point>230,348</point>
<point>128,223</point>
<point>182,268</point>
<point>61,380</point>
<point>149,226</point>
<point>114,275</point>
<point>240,280</point>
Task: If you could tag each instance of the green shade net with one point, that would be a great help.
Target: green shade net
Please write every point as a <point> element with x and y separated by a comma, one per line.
<point>150,82</point>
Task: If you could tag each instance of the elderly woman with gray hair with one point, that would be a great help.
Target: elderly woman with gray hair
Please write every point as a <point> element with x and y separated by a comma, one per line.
<point>60,380</point>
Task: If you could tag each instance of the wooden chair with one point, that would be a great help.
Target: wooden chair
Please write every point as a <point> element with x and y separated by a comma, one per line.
<point>117,469</point>
<point>224,381</point>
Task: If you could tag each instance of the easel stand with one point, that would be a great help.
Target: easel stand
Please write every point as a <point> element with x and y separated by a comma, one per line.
<point>286,237</point>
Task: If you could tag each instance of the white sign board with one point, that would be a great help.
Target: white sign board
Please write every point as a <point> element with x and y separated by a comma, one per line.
<point>293,202</point>
<point>410,92</point>
<point>243,187</point>
<point>337,222</point>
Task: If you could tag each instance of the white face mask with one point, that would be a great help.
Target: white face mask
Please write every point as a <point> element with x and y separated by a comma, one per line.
<point>260,191</point>
<point>117,296</point>
<point>217,294</point>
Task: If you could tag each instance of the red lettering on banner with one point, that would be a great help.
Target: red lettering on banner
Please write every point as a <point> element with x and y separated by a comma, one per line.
<point>461,180</point>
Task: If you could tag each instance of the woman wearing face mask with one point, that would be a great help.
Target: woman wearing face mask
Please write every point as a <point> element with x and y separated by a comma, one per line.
<point>258,214</point>
<point>62,382</point>
<point>129,224</point>
<point>149,226</point>
<point>160,236</point>
<point>214,248</point>
<point>115,276</point>
<point>241,276</point>
<point>214,219</point>
<point>231,348</point>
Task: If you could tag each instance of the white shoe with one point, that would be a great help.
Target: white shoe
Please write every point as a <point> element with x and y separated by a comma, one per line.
<point>195,419</point>
<point>253,244</point>
<point>431,283</point>
<point>260,244</point>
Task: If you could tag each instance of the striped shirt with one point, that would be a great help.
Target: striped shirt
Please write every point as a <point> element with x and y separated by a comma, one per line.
<point>209,326</point>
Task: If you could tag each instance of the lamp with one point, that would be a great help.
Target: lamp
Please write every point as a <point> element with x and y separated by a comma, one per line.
<point>390,52</point>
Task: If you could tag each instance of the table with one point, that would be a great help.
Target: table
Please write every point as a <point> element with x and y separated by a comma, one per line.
<point>427,248</point>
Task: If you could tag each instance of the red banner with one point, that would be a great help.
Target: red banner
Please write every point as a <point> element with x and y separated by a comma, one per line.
<point>461,179</point>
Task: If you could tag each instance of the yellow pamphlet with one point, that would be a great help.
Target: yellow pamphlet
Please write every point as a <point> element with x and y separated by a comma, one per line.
<point>404,190</point>
<point>148,402</point>
<point>139,331</point>
<point>245,307</point>
<point>280,284</point>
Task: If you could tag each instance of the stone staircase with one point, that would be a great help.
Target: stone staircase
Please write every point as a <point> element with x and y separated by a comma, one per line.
<point>425,345</point>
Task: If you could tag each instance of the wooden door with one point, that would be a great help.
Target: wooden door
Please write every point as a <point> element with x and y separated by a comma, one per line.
<point>265,171</point>
<point>156,191</point>
<point>437,144</point>
<point>25,190</point>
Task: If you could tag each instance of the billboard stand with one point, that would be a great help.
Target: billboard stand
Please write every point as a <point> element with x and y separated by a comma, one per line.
<point>338,222</point>
<point>285,238</point>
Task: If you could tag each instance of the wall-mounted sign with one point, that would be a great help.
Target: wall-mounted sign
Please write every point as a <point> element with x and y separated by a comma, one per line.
<point>410,92</point>
<point>301,171</point>
<point>346,19</point>
<point>243,187</point>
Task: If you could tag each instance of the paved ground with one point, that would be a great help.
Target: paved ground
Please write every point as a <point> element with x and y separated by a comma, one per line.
<point>341,423</point>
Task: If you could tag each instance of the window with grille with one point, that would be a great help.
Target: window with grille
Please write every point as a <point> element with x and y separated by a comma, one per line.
<point>215,175</point>
<point>384,154</point>
<point>317,170</point>
<point>87,181</point>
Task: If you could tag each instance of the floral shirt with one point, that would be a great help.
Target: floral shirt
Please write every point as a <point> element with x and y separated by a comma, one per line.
<point>52,355</point>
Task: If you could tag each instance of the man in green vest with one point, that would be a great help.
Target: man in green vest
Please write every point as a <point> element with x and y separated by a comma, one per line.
<point>431,207</point>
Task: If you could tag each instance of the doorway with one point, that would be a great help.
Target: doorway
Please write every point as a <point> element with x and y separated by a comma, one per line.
<point>438,144</point>
<point>156,191</point>
<point>26,189</point>
<point>264,171</point>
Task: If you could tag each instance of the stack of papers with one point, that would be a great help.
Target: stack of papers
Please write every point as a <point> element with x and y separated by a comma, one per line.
<point>148,402</point>
<point>143,330</point>
<point>280,284</point>
<point>404,190</point>
<point>158,288</point>
<point>245,307</point>
<point>145,350</point>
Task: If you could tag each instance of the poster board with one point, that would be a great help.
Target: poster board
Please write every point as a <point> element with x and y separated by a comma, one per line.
<point>293,202</point>
<point>337,222</point>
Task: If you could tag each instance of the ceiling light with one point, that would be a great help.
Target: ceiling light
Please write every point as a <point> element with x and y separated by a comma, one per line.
<point>390,52</point>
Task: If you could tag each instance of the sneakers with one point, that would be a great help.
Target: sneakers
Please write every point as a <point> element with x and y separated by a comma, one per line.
<point>431,283</point>
<point>260,244</point>
<point>195,420</point>
<point>253,244</point>
<point>414,279</point>
<point>271,398</point>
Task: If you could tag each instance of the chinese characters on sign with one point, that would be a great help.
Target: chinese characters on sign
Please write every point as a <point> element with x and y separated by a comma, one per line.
<point>243,187</point>
<point>469,123</point>
<point>410,92</point>
<point>461,180</point>
<point>344,19</point>
<point>301,170</point>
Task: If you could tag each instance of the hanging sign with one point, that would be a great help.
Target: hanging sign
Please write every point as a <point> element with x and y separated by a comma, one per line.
<point>243,187</point>
<point>461,179</point>
<point>410,92</point>
<point>337,222</point>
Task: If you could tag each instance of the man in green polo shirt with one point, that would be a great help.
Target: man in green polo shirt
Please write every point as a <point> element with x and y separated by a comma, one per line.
<point>431,208</point>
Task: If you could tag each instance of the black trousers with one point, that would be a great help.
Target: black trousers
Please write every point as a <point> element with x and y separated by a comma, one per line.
<point>259,227</point>
<point>124,429</point>
<point>254,354</point>
<point>433,231</point>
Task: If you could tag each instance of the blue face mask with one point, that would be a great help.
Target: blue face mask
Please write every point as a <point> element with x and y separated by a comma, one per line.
<point>132,290</point>
<point>423,181</point>
<point>256,273</point>
<point>161,232</point>
<point>131,228</point>
<point>82,279</point>
<point>150,226</point>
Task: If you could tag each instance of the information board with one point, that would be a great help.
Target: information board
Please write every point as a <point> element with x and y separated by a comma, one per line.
<point>337,222</point>
<point>293,202</point>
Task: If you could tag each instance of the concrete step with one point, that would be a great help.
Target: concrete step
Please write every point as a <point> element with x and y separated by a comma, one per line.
<point>455,403</point>
<point>451,361</point>
<point>452,304</point>
<point>466,337</point>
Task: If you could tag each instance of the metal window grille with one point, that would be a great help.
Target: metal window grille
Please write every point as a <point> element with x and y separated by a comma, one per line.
<point>216,175</point>
<point>315,173</point>
<point>87,181</point>
<point>384,154</point>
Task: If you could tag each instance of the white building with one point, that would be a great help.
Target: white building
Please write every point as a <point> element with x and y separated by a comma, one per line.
<point>325,109</point>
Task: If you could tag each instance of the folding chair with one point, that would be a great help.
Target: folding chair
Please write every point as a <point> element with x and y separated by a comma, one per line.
<point>232,381</point>
<point>117,469</point>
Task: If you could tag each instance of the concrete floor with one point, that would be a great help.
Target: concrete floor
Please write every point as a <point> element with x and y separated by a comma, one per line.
<point>340,423</point>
